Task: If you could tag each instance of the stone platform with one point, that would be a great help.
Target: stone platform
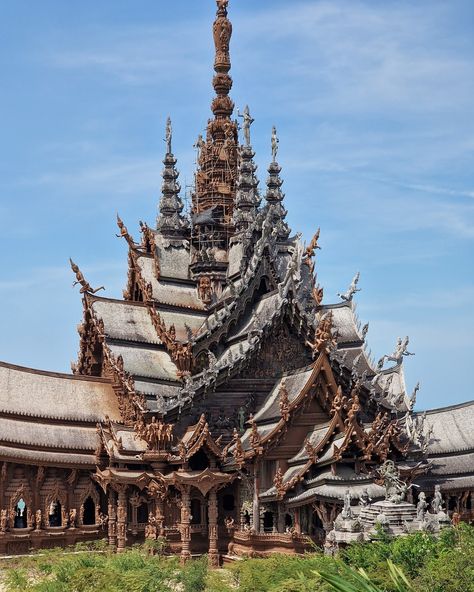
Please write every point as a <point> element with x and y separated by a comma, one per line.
<point>394,518</point>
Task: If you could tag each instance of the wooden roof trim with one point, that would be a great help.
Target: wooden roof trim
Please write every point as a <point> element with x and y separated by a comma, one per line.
<point>78,377</point>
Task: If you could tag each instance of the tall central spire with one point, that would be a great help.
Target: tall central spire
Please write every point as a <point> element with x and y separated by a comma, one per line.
<point>216,176</point>
<point>213,199</point>
<point>222,105</point>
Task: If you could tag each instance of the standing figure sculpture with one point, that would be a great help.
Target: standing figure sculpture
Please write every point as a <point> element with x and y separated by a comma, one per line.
<point>246,123</point>
<point>421,507</point>
<point>275,142</point>
<point>346,510</point>
<point>168,136</point>
<point>437,501</point>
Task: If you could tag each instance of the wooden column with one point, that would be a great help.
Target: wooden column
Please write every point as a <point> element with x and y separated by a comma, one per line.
<point>112,522</point>
<point>212,511</point>
<point>185,528</point>
<point>121,519</point>
<point>281,518</point>
<point>160,516</point>
<point>256,500</point>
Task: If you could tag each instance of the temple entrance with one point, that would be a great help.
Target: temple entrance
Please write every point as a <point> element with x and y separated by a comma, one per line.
<point>20,520</point>
<point>54,513</point>
<point>88,516</point>
<point>195,511</point>
<point>268,522</point>
<point>142,513</point>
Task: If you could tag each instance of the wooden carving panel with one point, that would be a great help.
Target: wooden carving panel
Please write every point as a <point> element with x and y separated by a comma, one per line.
<point>282,352</point>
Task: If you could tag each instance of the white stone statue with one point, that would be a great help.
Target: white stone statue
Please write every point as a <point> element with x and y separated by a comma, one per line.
<point>246,123</point>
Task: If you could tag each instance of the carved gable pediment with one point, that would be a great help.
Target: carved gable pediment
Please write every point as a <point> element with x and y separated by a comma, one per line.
<point>282,351</point>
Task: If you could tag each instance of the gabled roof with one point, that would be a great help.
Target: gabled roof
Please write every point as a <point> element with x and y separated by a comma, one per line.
<point>50,395</point>
<point>50,418</point>
<point>452,429</point>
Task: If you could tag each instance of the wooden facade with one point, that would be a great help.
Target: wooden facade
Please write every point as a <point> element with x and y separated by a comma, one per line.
<point>220,405</point>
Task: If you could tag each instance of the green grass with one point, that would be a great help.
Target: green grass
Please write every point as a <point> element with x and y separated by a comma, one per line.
<point>414,563</point>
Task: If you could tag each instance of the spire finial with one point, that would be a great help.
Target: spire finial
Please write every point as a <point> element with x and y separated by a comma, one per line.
<point>246,123</point>
<point>169,135</point>
<point>275,142</point>
<point>222,82</point>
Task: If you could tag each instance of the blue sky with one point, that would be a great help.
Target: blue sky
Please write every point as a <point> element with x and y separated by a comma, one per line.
<point>373,102</point>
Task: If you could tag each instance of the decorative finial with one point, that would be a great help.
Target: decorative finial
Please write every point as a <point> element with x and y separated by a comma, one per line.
<point>80,279</point>
<point>169,135</point>
<point>246,123</point>
<point>275,142</point>
<point>349,295</point>
<point>222,7</point>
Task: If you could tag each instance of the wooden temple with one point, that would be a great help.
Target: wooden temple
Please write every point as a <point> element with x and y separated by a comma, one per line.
<point>220,406</point>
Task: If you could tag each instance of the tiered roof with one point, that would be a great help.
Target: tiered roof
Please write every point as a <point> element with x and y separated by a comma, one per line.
<point>207,293</point>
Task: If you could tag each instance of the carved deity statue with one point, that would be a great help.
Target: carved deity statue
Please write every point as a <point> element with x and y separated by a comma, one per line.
<point>3,521</point>
<point>72,518</point>
<point>437,501</point>
<point>421,507</point>
<point>168,136</point>
<point>275,142</point>
<point>199,145</point>
<point>246,123</point>
<point>364,498</point>
<point>395,488</point>
<point>38,519</point>
<point>347,510</point>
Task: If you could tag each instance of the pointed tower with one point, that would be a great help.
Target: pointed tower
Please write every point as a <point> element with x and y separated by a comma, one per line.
<point>247,199</point>
<point>213,200</point>
<point>170,222</point>
<point>216,176</point>
<point>274,195</point>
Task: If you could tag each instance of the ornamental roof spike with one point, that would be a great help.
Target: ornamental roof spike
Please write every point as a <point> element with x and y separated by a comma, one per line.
<point>170,221</point>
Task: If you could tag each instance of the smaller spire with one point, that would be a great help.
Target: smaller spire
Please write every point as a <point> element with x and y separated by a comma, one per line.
<point>170,222</point>
<point>274,195</point>
<point>247,198</point>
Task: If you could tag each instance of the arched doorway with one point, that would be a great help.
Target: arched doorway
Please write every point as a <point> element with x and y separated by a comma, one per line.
<point>142,513</point>
<point>88,516</point>
<point>268,522</point>
<point>55,513</point>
